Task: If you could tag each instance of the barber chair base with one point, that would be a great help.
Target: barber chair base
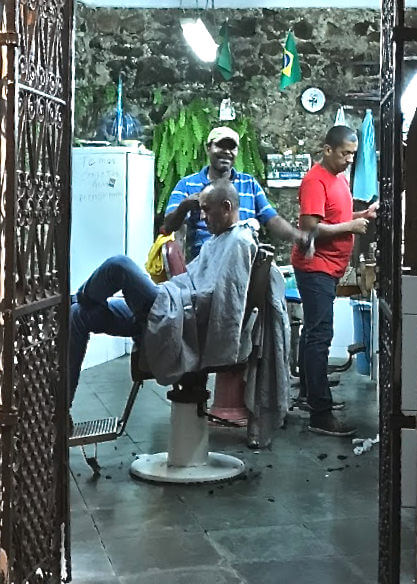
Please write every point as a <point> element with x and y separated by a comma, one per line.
<point>188,459</point>
<point>155,468</point>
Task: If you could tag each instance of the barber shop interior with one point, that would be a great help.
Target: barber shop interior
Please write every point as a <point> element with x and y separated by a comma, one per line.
<point>208,307</point>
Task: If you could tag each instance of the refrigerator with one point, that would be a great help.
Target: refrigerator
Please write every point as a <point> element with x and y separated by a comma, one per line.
<point>112,213</point>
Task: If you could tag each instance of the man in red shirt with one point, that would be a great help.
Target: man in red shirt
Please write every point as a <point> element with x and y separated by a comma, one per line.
<point>326,208</point>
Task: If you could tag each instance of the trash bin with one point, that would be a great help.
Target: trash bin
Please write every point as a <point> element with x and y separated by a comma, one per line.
<point>362,334</point>
<point>295,315</point>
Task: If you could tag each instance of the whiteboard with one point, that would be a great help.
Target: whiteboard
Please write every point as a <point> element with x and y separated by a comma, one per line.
<point>98,229</point>
<point>112,213</point>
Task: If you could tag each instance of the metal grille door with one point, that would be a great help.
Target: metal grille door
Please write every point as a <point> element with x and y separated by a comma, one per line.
<point>35,124</point>
<point>392,421</point>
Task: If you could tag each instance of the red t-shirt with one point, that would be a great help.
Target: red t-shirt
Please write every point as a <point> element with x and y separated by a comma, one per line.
<point>328,196</point>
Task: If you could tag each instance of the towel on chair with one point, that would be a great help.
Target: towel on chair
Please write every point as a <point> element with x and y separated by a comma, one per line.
<point>155,262</point>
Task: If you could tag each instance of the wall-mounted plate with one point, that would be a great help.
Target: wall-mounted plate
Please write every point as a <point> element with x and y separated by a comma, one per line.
<point>313,99</point>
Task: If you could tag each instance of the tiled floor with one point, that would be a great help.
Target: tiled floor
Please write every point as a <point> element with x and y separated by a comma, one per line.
<point>305,512</point>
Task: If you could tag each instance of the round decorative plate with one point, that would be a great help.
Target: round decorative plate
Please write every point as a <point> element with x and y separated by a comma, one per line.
<point>313,99</point>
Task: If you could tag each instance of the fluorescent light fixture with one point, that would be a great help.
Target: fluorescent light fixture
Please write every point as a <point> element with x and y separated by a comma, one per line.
<point>199,39</point>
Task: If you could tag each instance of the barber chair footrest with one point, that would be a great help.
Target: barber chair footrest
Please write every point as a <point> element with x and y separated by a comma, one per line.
<point>94,431</point>
<point>155,468</point>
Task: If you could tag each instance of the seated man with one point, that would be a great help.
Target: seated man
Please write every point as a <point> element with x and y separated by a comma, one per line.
<point>182,322</point>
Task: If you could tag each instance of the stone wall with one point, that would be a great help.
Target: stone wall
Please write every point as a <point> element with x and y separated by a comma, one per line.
<point>338,50</point>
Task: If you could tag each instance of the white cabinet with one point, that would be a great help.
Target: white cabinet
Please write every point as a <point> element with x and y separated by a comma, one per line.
<point>408,467</point>
<point>112,213</point>
<point>342,328</point>
<point>409,344</point>
<point>409,389</point>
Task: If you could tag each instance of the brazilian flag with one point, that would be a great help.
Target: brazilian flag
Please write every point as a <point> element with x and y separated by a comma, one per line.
<point>224,56</point>
<point>291,72</point>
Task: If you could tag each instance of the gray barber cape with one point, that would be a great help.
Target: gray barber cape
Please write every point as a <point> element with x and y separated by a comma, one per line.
<point>196,323</point>
<point>197,317</point>
<point>268,373</point>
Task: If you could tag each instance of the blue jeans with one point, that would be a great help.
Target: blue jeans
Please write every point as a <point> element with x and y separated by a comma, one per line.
<point>317,291</point>
<point>94,312</point>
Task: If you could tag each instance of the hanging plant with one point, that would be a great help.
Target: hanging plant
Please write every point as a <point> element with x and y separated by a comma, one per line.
<point>91,101</point>
<point>179,143</point>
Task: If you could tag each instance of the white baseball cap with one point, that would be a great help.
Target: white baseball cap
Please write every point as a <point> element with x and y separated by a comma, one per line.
<point>221,133</point>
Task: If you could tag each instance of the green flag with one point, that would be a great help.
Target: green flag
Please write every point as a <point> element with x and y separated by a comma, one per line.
<point>290,72</point>
<point>224,56</point>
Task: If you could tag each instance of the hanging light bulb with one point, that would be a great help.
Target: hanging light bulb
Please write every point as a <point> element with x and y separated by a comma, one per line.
<point>199,39</point>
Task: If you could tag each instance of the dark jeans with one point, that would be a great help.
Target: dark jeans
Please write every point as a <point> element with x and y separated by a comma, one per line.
<point>94,311</point>
<point>317,291</point>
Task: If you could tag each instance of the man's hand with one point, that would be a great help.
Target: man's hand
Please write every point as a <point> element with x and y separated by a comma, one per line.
<point>174,220</point>
<point>370,212</point>
<point>305,242</point>
<point>192,202</point>
<point>359,225</point>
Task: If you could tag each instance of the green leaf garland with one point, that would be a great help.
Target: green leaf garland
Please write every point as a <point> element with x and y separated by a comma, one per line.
<point>179,143</point>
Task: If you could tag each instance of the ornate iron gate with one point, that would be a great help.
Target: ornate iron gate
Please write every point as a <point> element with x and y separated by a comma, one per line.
<point>35,135</point>
<point>394,34</point>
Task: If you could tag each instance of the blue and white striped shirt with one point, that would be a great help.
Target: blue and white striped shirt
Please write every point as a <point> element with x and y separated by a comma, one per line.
<point>253,204</point>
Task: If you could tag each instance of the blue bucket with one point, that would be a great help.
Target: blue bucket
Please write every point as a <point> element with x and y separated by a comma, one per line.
<point>362,334</point>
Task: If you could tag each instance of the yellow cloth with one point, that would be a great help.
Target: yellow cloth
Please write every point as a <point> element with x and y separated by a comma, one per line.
<point>155,263</point>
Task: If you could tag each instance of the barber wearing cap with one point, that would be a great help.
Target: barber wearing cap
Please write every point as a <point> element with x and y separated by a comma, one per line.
<point>183,204</point>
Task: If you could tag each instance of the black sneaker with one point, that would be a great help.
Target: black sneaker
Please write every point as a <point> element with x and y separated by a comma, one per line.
<point>300,403</point>
<point>329,425</point>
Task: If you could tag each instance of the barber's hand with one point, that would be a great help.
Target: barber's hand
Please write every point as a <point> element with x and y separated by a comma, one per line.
<point>305,242</point>
<point>359,225</point>
<point>370,212</point>
<point>192,202</point>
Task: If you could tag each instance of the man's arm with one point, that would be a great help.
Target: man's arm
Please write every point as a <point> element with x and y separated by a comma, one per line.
<point>279,228</point>
<point>175,219</point>
<point>327,231</point>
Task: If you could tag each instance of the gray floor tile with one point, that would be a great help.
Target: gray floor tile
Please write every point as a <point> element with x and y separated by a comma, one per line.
<point>144,518</point>
<point>281,522</point>
<point>90,563</point>
<point>333,570</point>
<point>166,550</point>
<point>94,580</point>
<point>359,535</point>
<point>270,543</point>
<point>220,513</point>
<point>366,565</point>
<point>202,575</point>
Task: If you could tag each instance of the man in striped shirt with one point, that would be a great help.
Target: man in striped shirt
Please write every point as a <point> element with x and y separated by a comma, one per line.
<point>183,204</point>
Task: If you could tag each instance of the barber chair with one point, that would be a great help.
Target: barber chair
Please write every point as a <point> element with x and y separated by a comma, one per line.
<point>295,314</point>
<point>187,459</point>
